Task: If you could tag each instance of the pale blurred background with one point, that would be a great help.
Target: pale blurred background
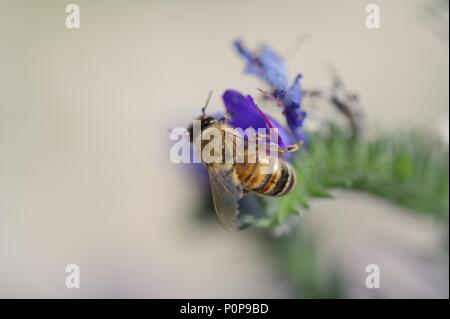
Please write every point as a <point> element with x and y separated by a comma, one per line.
<point>85,175</point>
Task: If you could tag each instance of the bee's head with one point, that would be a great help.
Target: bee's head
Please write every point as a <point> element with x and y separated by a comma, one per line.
<point>205,122</point>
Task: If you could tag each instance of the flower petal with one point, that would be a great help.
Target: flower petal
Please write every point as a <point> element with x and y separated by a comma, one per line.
<point>244,113</point>
<point>269,66</point>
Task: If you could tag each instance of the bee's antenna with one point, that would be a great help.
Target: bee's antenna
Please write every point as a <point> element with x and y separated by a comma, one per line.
<point>206,104</point>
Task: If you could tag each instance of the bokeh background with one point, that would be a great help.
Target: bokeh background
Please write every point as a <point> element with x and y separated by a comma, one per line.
<point>85,175</point>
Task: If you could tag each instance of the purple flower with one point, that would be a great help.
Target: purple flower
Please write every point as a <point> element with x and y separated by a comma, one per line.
<point>269,67</point>
<point>291,100</point>
<point>244,113</point>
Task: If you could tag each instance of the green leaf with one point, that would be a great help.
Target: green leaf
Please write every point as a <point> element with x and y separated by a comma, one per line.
<point>410,169</point>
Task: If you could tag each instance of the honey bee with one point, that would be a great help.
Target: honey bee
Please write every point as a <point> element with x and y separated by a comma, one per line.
<point>229,180</point>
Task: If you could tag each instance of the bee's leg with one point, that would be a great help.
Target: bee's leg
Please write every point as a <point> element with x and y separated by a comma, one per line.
<point>263,137</point>
<point>224,118</point>
<point>290,148</point>
<point>286,149</point>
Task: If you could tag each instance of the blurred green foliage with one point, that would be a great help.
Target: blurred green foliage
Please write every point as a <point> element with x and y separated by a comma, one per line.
<point>306,273</point>
<point>410,169</point>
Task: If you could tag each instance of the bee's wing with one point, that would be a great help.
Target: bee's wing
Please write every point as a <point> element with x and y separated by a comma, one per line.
<point>226,191</point>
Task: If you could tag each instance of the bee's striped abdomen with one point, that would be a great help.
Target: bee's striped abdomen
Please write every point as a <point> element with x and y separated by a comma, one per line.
<point>281,182</point>
<point>246,171</point>
<point>277,183</point>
